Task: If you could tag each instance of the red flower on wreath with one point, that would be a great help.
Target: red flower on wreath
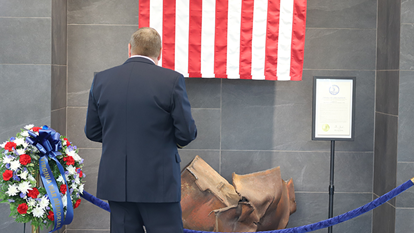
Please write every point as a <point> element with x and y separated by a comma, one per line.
<point>63,189</point>
<point>69,160</point>
<point>9,146</point>
<point>80,172</point>
<point>25,159</point>
<point>67,142</point>
<point>77,203</point>
<point>7,174</point>
<point>36,129</point>
<point>51,216</point>
<point>22,208</point>
<point>33,193</point>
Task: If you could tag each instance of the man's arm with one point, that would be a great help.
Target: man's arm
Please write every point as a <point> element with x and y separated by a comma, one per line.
<point>185,128</point>
<point>93,127</point>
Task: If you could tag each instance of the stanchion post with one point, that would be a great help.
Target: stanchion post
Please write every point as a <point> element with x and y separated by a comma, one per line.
<point>331,183</point>
<point>34,228</point>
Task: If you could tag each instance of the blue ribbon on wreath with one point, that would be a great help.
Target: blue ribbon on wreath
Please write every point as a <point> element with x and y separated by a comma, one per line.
<point>48,143</point>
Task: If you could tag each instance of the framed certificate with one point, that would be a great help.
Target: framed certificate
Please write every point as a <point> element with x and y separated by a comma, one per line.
<point>333,108</point>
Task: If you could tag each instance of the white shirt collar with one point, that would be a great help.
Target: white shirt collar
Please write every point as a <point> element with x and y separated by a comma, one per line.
<point>143,57</point>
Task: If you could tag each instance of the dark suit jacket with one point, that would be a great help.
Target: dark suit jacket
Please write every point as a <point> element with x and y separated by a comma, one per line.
<point>140,113</point>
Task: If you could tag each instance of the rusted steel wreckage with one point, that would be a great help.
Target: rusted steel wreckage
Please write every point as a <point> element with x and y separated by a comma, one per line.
<point>258,201</point>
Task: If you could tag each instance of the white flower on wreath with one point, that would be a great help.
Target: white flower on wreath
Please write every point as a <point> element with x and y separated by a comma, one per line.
<point>74,186</point>
<point>31,202</point>
<point>14,165</point>
<point>81,188</point>
<point>20,151</point>
<point>3,144</point>
<point>71,169</point>
<point>31,178</point>
<point>20,141</point>
<point>24,187</point>
<point>44,202</point>
<point>77,180</point>
<point>25,134</point>
<point>38,212</point>
<point>64,200</point>
<point>60,179</point>
<point>23,175</point>
<point>73,153</point>
<point>13,190</point>
<point>29,127</point>
<point>7,159</point>
<point>76,157</point>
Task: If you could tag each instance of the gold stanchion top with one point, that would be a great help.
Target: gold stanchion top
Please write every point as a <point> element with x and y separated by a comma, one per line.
<point>412,180</point>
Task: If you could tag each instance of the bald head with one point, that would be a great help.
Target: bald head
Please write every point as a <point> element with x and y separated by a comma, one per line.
<point>146,42</point>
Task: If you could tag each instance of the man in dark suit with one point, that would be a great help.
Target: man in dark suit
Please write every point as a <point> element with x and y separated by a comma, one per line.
<point>140,113</point>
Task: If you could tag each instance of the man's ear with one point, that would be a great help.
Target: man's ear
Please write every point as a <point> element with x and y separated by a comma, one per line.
<point>159,56</point>
<point>129,50</point>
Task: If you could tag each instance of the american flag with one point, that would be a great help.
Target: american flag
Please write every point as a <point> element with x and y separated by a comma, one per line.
<point>234,39</point>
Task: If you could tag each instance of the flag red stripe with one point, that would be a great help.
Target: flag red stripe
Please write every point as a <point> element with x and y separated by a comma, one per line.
<point>298,40</point>
<point>272,36</point>
<point>194,40</point>
<point>168,34</point>
<point>246,35</point>
<point>220,46</point>
<point>143,13</point>
<point>221,34</point>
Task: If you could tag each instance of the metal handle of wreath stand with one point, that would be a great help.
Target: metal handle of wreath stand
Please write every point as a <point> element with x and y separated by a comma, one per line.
<point>34,228</point>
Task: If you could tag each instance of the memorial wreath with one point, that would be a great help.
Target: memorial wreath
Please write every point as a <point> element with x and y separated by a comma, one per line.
<point>43,151</point>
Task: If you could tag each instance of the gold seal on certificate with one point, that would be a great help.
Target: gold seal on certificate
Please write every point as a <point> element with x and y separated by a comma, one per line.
<point>325,127</point>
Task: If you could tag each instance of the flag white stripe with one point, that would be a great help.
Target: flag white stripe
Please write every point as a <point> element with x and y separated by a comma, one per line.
<point>182,22</point>
<point>155,21</point>
<point>285,39</point>
<point>259,39</point>
<point>233,39</point>
<point>208,28</point>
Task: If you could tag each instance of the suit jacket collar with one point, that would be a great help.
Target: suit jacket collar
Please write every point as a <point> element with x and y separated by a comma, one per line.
<point>139,59</point>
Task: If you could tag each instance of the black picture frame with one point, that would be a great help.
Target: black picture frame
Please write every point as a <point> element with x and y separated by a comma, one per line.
<point>333,81</point>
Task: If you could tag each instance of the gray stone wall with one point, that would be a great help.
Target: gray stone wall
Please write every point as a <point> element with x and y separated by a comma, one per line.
<point>25,56</point>
<point>59,66</point>
<point>405,160</point>
<point>394,113</point>
<point>386,112</point>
